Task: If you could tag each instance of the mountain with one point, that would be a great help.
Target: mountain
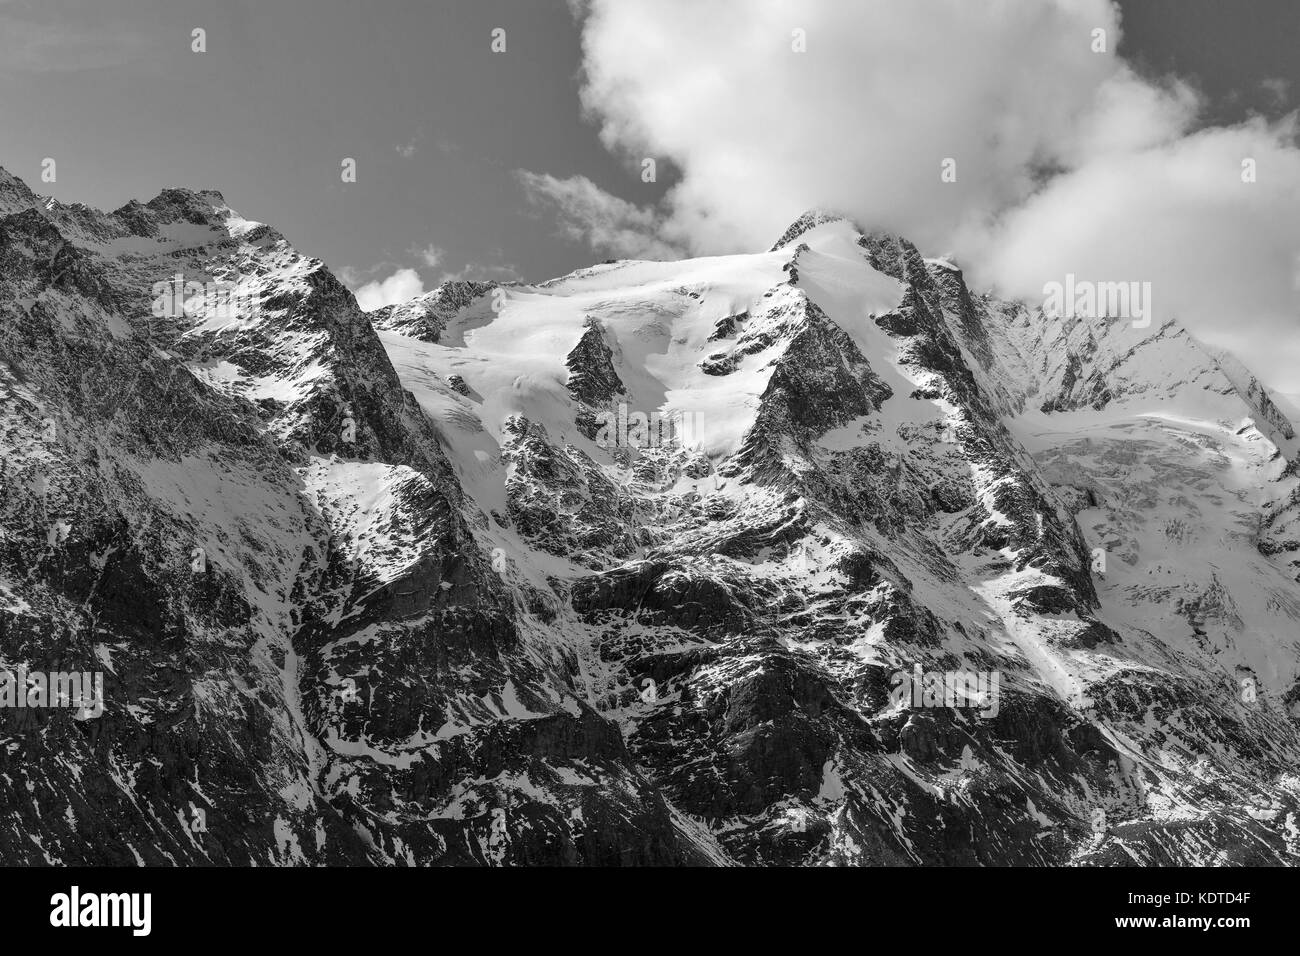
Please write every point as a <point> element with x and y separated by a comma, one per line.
<point>657,563</point>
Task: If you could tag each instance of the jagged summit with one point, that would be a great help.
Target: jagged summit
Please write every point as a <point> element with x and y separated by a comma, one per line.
<point>653,563</point>
<point>204,206</point>
<point>425,316</point>
<point>14,193</point>
<point>809,220</point>
<point>17,193</point>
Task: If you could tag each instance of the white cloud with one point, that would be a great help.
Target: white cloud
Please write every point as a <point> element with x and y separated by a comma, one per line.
<point>860,122</point>
<point>606,223</point>
<point>431,255</point>
<point>1278,88</point>
<point>1221,254</point>
<point>402,286</point>
<point>1067,161</point>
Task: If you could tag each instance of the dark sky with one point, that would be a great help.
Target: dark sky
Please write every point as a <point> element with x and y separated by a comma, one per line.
<point>286,91</point>
<point>1226,48</point>
<point>289,88</point>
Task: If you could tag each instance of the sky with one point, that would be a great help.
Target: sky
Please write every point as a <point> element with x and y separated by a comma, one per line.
<point>1119,163</point>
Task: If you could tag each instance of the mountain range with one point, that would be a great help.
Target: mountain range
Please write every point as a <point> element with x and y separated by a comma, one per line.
<point>809,556</point>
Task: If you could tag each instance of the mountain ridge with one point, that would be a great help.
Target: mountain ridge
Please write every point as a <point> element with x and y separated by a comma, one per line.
<point>442,620</point>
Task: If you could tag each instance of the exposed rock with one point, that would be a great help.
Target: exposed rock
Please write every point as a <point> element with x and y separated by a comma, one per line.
<point>345,617</point>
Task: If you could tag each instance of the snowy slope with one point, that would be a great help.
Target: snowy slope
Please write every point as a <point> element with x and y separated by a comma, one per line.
<point>1108,589</point>
<point>624,567</point>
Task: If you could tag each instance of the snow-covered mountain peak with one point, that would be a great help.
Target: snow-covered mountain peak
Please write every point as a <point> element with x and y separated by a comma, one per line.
<point>635,565</point>
<point>808,220</point>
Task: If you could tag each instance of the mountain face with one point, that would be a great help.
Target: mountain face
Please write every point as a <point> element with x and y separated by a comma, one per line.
<point>812,556</point>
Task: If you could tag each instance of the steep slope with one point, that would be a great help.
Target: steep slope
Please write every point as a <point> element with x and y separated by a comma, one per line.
<point>636,566</point>
<point>866,484</point>
<point>308,657</point>
<point>426,316</point>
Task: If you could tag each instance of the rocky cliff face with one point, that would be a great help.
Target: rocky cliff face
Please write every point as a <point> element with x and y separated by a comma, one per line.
<point>811,556</point>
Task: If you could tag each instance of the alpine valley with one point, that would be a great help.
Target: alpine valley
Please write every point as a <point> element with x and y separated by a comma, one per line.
<point>423,586</point>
